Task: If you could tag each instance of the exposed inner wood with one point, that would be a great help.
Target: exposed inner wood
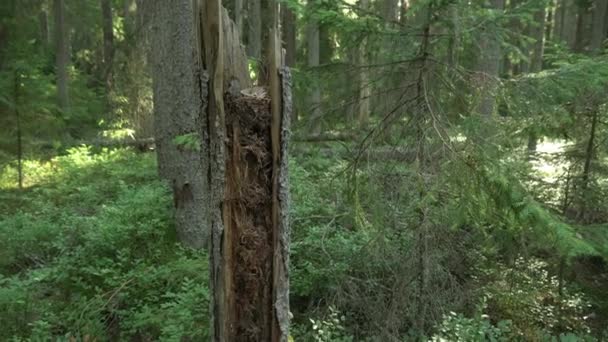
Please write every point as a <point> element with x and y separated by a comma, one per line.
<point>248,220</point>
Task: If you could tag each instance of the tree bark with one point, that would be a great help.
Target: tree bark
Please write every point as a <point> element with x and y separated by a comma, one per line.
<point>314,106</point>
<point>568,23</point>
<point>234,185</point>
<point>108,41</point>
<point>180,101</point>
<point>598,33</point>
<point>62,54</point>
<point>589,156</point>
<point>249,244</point>
<point>536,61</point>
<point>583,33</point>
<point>254,34</point>
<point>288,25</point>
<point>488,66</point>
<point>16,81</point>
<point>238,16</point>
<point>43,21</point>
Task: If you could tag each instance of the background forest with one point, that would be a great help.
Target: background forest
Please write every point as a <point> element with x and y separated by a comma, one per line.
<point>448,172</point>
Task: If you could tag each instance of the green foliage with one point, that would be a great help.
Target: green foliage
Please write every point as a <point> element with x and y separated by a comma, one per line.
<point>189,142</point>
<point>457,328</point>
<point>329,329</point>
<point>89,251</point>
<point>534,300</point>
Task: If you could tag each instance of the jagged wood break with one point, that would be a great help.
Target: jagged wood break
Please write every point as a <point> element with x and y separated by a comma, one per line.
<point>248,134</point>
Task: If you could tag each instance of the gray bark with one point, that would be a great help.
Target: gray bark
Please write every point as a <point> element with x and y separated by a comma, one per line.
<point>390,10</point>
<point>288,26</point>
<point>254,34</point>
<point>222,191</point>
<point>568,33</point>
<point>488,66</point>
<point>43,21</point>
<point>238,15</point>
<point>312,43</point>
<point>598,33</point>
<point>108,41</point>
<point>583,28</point>
<point>365,91</point>
<point>180,93</point>
<point>62,54</point>
<point>536,60</point>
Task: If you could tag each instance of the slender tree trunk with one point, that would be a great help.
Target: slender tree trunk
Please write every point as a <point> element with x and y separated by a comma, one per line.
<point>364,102</point>
<point>62,54</point>
<point>488,67</point>
<point>582,28</point>
<point>568,32</point>
<point>536,61</point>
<point>598,33</point>
<point>108,41</point>
<point>288,25</point>
<point>16,81</point>
<point>558,20</point>
<point>238,15</point>
<point>254,36</point>
<point>314,107</point>
<point>43,21</point>
<point>589,155</point>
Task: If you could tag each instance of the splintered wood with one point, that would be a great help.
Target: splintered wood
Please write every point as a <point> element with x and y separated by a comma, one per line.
<point>248,210</point>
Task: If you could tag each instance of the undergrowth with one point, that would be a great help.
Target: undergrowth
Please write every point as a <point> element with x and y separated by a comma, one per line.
<point>88,251</point>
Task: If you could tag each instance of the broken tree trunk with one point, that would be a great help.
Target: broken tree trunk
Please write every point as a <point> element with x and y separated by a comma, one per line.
<point>231,190</point>
<point>181,107</point>
<point>247,174</point>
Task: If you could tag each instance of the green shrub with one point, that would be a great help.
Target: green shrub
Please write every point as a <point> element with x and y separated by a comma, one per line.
<point>90,251</point>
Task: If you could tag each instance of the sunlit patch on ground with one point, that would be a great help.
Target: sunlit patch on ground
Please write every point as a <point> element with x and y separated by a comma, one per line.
<point>549,168</point>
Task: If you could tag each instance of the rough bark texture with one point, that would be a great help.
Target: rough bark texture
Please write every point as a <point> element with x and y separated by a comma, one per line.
<point>536,60</point>
<point>288,26</point>
<point>108,41</point>
<point>234,187</point>
<point>598,33</point>
<point>488,66</point>
<point>180,93</point>
<point>62,54</point>
<point>254,34</point>
<point>568,32</point>
<point>247,174</point>
<point>238,15</point>
<point>312,41</point>
<point>43,21</point>
<point>583,28</point>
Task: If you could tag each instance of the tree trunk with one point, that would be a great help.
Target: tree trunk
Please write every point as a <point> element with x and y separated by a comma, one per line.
<point>314,106</point>
<point>288,24</point>
<point>62,54</point>
<point>234,184</point>
<point>598,33</point>
<point>488,66</point>
<point>19,133</point>
<point>43,21</point>
<point>536,61</point>
<point>254,36</point>
<point>589,156</point>
<point>558,20</point>
<point>238,15</point>
<point>180,93</point>
<point>364,95</point>
<point>108,41</point>
<point>583,32</point>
